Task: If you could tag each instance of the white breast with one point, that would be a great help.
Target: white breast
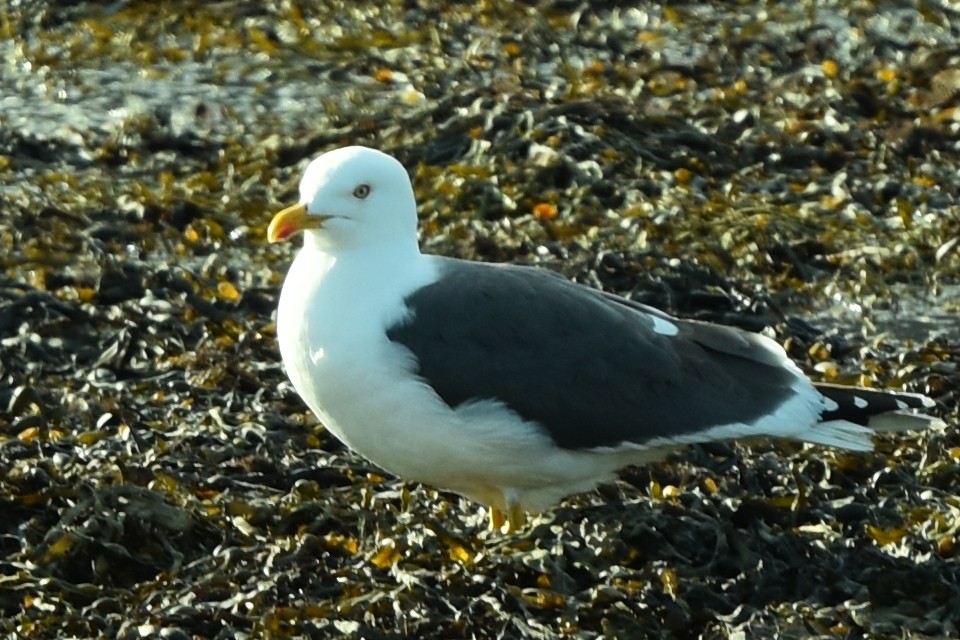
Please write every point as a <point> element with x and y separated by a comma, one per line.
<point>331,328</point>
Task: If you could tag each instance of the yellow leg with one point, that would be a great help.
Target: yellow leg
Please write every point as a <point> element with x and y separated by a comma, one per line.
<point>497,519</point>
<point>508,522</point>
<point>516,518</point>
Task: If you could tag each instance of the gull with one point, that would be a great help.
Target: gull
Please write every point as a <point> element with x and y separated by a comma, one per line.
<point>511,385</point>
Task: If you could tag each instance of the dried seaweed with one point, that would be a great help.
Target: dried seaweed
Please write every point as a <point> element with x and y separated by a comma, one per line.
<point>780,166</point>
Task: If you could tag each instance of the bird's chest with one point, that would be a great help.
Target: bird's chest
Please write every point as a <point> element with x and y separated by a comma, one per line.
<point>332,335</point>
<point>333,339</point>
<point>331,312</point>
<point>361,388</point>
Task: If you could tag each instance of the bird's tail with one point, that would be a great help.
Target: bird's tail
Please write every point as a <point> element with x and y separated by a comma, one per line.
<point>855,414</point>
<point>879,410</point>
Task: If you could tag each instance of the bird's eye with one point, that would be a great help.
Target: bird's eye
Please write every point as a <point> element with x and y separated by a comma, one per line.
<point>362,191</point>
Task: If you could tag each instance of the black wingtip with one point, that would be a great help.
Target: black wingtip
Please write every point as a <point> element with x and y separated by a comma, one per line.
<point>858,405</point>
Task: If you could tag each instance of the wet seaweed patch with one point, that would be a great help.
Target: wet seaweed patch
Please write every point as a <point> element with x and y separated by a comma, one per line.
<point>783,167</point>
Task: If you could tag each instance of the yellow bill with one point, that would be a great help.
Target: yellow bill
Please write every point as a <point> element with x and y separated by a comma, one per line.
<point>292,221</point>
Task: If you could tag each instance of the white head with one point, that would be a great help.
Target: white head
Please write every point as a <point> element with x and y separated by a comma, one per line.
<point>351,198</point>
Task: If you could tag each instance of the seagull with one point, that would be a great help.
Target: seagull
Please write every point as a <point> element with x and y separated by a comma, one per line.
<point>511,385</point>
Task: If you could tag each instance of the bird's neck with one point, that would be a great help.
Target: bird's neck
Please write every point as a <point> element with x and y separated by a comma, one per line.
<point>386,265</point>
<point>331,299</point>
<point>382,250</point>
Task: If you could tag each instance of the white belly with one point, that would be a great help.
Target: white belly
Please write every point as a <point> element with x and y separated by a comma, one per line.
<point>363,389</point>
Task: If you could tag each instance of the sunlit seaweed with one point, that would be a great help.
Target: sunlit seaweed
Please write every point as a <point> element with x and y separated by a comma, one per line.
<point>783,167</point>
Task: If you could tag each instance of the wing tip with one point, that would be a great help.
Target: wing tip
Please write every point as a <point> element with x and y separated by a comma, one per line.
<point>896,421</point>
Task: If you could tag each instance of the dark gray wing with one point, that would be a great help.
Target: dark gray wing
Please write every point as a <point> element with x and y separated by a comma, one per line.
<point>587,366</point>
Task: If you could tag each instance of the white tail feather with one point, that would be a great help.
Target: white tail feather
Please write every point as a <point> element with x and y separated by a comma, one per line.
<point>855,437</point>
<point>840,433</point>
<point>895,421</point>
